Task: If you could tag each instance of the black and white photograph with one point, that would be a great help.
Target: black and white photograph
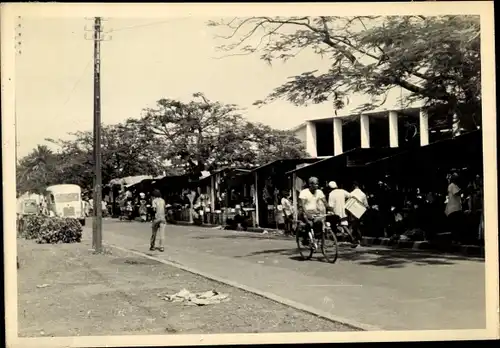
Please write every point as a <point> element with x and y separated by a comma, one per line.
<point>202,174</point>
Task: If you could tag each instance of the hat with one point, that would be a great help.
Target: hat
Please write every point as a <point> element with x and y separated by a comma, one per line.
<point>332,184</point>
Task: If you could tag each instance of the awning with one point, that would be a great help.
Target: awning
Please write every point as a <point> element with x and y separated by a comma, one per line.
<point>464,150</point>
<point>285,165</point>
<point>350,159</point>
<point>129,180</point>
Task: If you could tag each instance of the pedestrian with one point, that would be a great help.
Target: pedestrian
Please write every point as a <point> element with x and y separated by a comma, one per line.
<point>337,201</point>
<point>159,222</point>
<point>453,208</point>
<point>360,196</point>
<point>104,208</point>
<point>143,210</point>
<point>287,211</point>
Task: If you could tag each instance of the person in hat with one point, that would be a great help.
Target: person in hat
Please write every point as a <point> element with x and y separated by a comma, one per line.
<point>159,222</point>
<point>336,202</point>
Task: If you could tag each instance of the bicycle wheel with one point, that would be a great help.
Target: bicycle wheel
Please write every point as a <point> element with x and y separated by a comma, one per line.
<point>329,246</point>
<point>306,252</point>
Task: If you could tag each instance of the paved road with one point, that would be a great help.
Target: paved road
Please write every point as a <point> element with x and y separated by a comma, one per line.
<point>389,289</point>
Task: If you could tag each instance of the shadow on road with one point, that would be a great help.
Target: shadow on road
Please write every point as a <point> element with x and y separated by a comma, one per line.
<point>247,235</point>
<point>388,258</point>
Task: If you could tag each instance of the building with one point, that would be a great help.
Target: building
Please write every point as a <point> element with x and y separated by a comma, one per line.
<point>389,128</point>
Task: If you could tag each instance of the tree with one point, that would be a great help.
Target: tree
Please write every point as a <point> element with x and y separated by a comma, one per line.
<point>205,135</point>
<point>37,170</point>
<point>126,151</point>
<point>273,144</point>
<point>435,59</point>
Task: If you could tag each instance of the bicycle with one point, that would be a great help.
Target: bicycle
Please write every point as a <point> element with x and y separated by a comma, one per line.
<point>327,236</point>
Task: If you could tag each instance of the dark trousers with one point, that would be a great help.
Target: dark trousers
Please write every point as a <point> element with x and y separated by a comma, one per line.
<point>317,226</point>
<point>288,223</point>
<point>456,223</point>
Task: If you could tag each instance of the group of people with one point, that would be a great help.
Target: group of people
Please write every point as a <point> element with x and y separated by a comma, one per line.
<point>460,208</point>
<point>315,207</point>
<point>88,207</point>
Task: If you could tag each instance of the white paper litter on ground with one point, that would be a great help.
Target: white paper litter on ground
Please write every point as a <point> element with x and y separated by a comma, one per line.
<point>199,299</point>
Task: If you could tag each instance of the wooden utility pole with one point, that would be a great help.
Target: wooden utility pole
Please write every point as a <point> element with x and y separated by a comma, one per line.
<point>18,52</point>
<point>97,221</point>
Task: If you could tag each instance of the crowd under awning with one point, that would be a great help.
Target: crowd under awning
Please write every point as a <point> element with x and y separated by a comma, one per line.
<point>429,164</point>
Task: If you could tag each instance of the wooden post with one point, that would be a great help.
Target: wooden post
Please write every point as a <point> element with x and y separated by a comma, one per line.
<point>294,196</point>
<point>256,198</point>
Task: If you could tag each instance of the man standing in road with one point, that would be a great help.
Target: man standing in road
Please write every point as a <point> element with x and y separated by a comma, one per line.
<point>159,221</point>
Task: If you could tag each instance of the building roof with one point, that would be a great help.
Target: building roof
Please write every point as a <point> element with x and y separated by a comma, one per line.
<point>452,149</point>
<point>413,112</point>
<point>291,161</point>
<point>351,158</point>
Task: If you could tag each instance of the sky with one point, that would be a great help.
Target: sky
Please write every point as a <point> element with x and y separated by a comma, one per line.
<point>143,60</point>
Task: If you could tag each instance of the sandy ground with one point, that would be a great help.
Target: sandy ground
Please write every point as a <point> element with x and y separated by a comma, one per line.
<point>65,290</point>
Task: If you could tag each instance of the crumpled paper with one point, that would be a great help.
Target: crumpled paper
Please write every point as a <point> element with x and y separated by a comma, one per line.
<point>199,299</point>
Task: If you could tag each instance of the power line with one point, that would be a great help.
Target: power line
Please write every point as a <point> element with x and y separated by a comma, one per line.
<point>77,82</point>
<point>146,25</point>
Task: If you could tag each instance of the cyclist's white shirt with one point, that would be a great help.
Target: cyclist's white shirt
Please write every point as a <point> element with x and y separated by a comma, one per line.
<point>311,201</point>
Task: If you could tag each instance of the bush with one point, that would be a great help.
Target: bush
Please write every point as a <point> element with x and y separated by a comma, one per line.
<point>30,226</point>
<point>52,230</point>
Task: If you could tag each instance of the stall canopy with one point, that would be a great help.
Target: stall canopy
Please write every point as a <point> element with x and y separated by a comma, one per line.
<point>284,165</point>
<point>356,158</point>
<point>129,180</point>
<point>228,173</point>
<point>455,153</point>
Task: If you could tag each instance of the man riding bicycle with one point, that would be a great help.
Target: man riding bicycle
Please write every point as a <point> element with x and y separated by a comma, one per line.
<point>312,203</point>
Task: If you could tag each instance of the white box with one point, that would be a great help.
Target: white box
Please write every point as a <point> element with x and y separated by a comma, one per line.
<point>355,207</point>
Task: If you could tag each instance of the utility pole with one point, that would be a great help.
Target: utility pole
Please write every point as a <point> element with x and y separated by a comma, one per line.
<point>97,30</point>
<point>18,52</point>
<point>97,221</point>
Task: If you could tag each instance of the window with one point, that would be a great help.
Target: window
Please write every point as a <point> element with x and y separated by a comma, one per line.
<point>67,197</point>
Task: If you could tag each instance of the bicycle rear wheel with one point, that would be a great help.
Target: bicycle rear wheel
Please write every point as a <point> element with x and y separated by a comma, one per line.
<point>306,252</point>
<point>329,246</point>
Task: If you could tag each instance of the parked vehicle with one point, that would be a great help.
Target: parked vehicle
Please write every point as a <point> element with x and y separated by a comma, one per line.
<point>65,201</point>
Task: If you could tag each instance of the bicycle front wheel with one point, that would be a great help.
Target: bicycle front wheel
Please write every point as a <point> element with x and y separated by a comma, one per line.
<point>306,251</point>
<point>329,246</point>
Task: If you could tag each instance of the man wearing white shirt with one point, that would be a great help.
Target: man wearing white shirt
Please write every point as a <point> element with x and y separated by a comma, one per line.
<point>312,202</point>
<point>361,197</point>
<point>337,199</point>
